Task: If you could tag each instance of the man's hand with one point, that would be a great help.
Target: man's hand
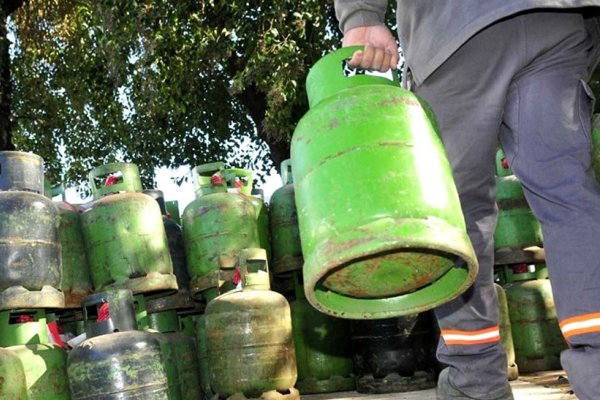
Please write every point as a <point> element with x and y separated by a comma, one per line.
<point>381,50</point>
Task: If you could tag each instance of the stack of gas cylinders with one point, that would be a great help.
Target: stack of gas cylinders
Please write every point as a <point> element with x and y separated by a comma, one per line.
<point>329,288</point>
<point>529,327</point>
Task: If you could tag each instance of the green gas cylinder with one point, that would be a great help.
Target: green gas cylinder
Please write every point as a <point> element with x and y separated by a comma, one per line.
<point>506,338</point>
<point>76,282</point>
<point>285,235</point>
<point>323,347</point>
<point>13,384</point>
<point>382,230</point>
<point>116,361</point>
<point>30,266</point>
<point>202,347</point>
<point>216,226</point>
<point>537,338</point>
<point>124,234</point>
<point>44,364</point>
<point>596,144</point>
<point>184,349</point>
<point>249,336</point>
<point>517,227</point>
<point>239,180</point>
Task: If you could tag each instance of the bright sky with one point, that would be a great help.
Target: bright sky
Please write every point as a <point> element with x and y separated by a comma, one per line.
<point>184,194</point>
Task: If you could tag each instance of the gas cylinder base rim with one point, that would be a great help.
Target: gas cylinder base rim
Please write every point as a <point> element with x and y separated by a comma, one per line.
<point>287,264</point>
<point>395,383</point>
<point>431,234</point>
<point>73,300</point>
<point>199,284</point>
<point>17,297</point>
<point>293,394</point>
<point>178,301</point>
<point>513,372</point>
<point>154,284</point>
<point>331,385</point>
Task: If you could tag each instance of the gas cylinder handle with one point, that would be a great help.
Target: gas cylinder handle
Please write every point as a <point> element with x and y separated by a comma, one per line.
<point>203,178</point>
<point>286,172</point>
<point>244,187</point>
<point>327,77</point>
<point>254,269</point>
<point>129,180</point>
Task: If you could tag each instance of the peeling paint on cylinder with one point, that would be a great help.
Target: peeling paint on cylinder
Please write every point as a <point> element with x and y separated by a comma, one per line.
<point>382,230</point>
<point>124,236</point>
<point>30,259</point>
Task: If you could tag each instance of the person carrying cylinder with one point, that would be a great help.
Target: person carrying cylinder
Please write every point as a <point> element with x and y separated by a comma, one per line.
<point>513,71</point>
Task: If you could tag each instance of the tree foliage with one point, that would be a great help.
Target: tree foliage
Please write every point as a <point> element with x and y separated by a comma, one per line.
<point>163,83</point>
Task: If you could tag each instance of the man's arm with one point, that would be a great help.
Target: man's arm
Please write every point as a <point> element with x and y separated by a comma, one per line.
<point>363,23</point>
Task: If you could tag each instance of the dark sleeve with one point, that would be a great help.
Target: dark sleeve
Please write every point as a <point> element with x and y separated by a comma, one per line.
<point>353,13</point>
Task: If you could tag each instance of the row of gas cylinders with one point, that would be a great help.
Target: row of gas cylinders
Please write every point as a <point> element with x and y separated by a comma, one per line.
<point>250,342</point>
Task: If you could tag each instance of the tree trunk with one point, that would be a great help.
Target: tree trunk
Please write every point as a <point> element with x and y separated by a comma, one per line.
<point>6,143</point>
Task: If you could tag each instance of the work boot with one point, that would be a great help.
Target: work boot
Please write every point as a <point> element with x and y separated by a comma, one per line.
<point>445,391</point>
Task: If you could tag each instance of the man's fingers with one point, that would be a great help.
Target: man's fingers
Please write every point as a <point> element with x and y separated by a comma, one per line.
<point>356,59</point>
<point>386,63</point>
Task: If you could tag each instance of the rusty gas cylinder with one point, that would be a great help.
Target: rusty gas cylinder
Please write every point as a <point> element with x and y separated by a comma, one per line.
<point>30,259</point>
<point>382,229</point>
<point>253,325</point>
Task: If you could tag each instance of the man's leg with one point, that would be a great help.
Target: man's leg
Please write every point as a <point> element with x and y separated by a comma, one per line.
<point>468,94</point>
<point>546,136</point>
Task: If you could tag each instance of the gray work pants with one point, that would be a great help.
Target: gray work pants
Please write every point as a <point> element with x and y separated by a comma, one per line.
<point>521,81</point>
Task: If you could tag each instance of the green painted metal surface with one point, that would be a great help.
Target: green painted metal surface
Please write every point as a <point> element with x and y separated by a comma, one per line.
<point>13,385</point>
<point>283,217</point>
<point>249,335</point>
<point>124,235</point>
<point>379,214</point>
<point>184,349</point>
<point>44,364</point>
<point>76,283</point>
<point>216,226</point>
<point>323,348</point>
<point>506,334</point>
<point>536,334</point>
<point>517,228</point>
<point>596,144</point>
